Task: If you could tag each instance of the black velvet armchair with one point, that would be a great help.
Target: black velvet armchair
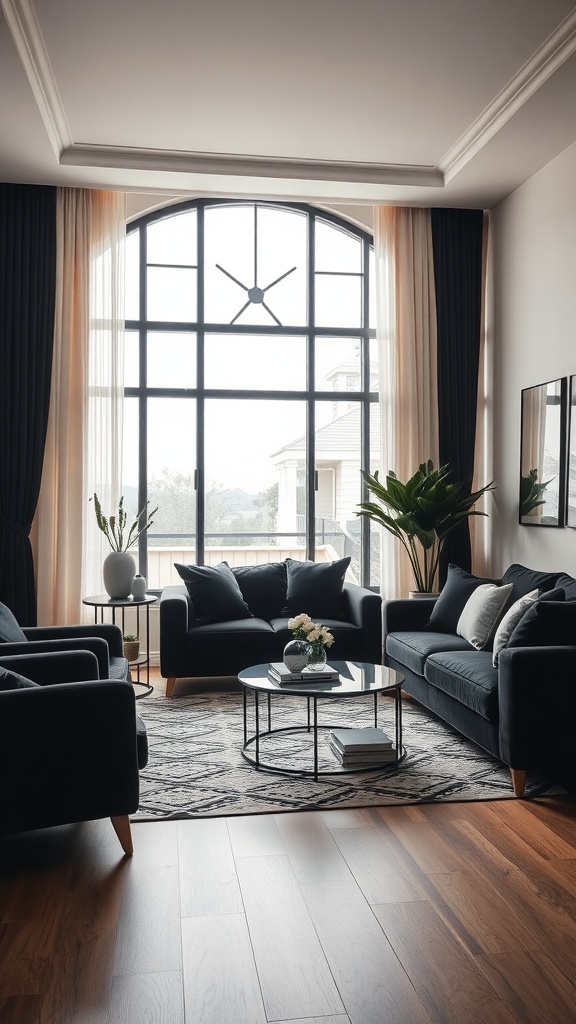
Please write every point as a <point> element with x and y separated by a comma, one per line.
<point>70,751</point>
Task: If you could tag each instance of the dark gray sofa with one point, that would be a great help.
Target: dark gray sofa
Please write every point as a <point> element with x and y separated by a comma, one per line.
<point>524,710</point>
<point>222,619</point>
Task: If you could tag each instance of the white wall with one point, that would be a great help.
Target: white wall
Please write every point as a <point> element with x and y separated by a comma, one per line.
<point>534,247</point>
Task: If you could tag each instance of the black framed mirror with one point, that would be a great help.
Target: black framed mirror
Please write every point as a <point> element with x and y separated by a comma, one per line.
<point>571,458</point>
<point>542,459</point>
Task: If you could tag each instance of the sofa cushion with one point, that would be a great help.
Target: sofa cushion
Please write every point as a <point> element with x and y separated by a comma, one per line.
<point>453,596</point>
<point>10,631</point>
<point>510,620</point>
<point>316,588</point>
<point>546,624</point>
<point>214,592</point>
<point>467,676</point>
<point>263,588</point>
<point>14,681</point>
<point>252,640</point>
<point>524,580</point>
<point>412,648</point>
<point>482,612</point>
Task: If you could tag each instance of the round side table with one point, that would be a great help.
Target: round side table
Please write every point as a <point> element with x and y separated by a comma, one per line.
<point>101,601</point>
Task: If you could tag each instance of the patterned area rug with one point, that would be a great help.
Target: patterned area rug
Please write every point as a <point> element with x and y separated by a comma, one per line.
<point>196,768</point>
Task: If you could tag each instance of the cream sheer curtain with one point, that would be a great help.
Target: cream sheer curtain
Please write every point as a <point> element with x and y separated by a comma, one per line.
<point>407,342</point>
<point>83,445</point>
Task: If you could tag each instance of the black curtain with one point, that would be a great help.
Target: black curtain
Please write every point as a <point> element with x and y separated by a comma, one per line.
<point>27,295</point>
<point>457,245</point>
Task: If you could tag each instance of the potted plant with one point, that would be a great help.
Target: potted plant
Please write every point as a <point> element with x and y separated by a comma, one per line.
<point>421,513</point>
<point>119,566</point>
<point>131,646</point>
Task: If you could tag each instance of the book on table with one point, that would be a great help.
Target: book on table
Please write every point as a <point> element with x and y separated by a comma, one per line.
<point>360,741</point>
<point>278,672</point>
<point>357,760</point>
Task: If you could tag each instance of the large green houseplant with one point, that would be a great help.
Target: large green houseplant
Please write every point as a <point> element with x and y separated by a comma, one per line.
<point>421,513</point>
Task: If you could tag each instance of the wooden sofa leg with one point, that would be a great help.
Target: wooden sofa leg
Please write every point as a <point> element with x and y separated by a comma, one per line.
<point>121,825</point>
<point>518,781</point>
<point>170,685</point>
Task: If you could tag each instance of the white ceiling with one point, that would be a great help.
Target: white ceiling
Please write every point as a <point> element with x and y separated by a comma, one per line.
<point>438,102</point>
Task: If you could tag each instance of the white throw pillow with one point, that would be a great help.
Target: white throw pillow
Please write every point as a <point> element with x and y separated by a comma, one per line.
<point>511,619</point>
<point>482,612</point>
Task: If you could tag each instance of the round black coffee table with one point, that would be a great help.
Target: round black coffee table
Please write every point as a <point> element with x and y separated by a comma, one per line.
<point>356,679</point>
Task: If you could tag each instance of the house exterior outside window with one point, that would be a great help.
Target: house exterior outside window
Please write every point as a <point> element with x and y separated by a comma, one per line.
<point>251,386</point>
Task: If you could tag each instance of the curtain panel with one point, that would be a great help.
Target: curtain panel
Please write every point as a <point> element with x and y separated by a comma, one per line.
<point>429,287</point>
<point>27,280</point>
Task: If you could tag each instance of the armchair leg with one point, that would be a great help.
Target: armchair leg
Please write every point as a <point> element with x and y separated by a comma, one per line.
<point>121,824</point>
<point>518,781</point>
<point>170,685</point>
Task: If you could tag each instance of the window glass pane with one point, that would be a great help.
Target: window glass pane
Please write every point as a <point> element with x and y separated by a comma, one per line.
<point>171,294</point>
<point>338,366</point>
<point>337,250</point>
<point>254,450</point>
<point>132,297</point>
<point>242,361</point>
<point>171,465</point>
<point>338,301</point>
<point>171,360</point>
<point>374,365</point>
<point>375,465</point>
<point>337,446</point>
<point>129,487</point>
<point>228,250</point>
<point>173,239</point>
<point>286,298</point>
<point>131,359</point>
<point>372,286</point>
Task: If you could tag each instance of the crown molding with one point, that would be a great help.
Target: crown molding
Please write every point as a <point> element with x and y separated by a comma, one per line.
<point>177,161</point>
<point>559,46</point>
<point>25,30</point>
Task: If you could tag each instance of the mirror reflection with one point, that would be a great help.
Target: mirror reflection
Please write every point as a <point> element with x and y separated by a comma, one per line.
<point>542,444</point>
<point>571,502</point>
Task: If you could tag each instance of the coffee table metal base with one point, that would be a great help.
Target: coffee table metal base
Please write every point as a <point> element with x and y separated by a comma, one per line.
<point>251,747</point>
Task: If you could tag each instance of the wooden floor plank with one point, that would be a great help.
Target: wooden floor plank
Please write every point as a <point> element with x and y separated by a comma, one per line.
<point>382,874</point>
<point>310,845</point>
<point>255,836</point>
<point>430,849</point>
<point>158,998</point>
<point>149,932</point>
<point>220,979</point>
<point>373,985</point>
<point>208,881</point>
<point>21,1009</point>
<point>533,987</point>
<point>450,984</point>
<point>292,968</point>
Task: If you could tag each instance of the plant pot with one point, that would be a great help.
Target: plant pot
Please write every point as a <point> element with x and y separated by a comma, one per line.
<point>131,649</point>
<point>118,571</point>
<point>295,655</point>
<point>416,595</point>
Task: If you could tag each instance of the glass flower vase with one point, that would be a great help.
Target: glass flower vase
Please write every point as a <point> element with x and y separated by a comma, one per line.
<point>317,657</point>
<point>295,655</point>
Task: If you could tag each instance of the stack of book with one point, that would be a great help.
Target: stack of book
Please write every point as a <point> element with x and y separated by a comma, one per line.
<point>358,747</point>
<point>280,674</point>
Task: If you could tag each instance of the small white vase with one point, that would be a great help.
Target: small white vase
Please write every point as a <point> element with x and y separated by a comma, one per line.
<point>139,587</point>
<point>118,572</point>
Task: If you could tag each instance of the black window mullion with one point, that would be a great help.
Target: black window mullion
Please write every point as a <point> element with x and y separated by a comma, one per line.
<point>200,476</point>
<point>311,408</point>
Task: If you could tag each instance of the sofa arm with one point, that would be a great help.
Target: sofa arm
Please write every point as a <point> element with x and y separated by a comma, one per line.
<point>107,631</point>
<point>175,621</point>
<point>96,645</point>
<point>537,709</point>
<point>406,614</point>
<point>364,609</point>
<point>71,753</point>
<point>59,667</point>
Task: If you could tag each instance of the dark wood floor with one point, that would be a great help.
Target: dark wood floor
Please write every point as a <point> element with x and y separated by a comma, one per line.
<point>453,913</point>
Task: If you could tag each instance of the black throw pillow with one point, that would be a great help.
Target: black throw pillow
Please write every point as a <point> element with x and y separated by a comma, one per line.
<point>315,588</point>
<point>214,592</point>
<point>10,631</point>
<point>459,586</point>
<point>568,584</point>
<point>550,622</point>
<point>14,681</point>
<point>524,580</point>
<point>263,588</point>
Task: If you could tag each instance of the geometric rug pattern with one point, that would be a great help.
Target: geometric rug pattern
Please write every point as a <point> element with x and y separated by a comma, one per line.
<point>196,768</point>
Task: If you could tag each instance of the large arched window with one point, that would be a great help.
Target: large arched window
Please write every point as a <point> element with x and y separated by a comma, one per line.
<point>251,387</point>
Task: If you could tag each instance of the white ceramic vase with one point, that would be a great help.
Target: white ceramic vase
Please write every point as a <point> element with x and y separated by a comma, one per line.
<point>139,587</point>
<point>118,571</point>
